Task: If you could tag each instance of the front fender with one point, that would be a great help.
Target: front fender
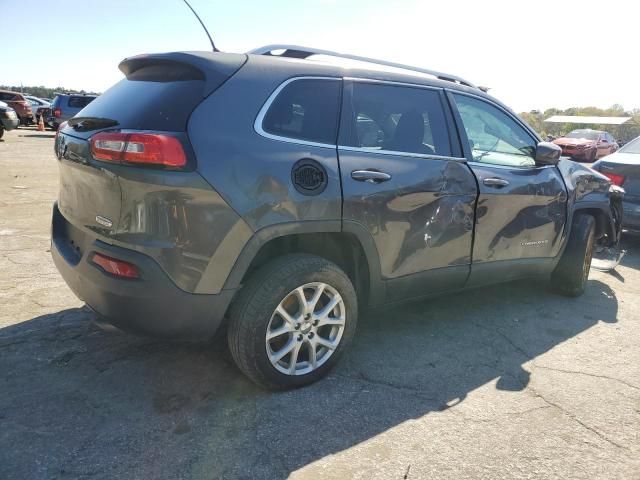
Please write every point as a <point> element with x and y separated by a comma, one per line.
<point>590,191</point>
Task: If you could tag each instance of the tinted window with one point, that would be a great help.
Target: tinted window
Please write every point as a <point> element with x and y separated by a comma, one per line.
<point>8,96</point>
<point>398,119</point>
<point>305,110</point>
<point>494,136</point>
<point>80,102</point>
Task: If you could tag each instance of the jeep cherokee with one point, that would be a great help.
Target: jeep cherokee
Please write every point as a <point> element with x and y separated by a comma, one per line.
<point>276,196</point>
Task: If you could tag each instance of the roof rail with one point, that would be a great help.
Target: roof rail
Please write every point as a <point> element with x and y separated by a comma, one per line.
<point>296,51</point>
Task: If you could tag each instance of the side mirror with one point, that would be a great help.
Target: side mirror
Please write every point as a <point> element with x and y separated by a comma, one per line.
<point>547,153</point>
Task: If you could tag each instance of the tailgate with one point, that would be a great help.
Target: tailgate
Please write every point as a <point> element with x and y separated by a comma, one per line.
<point>90,193</point>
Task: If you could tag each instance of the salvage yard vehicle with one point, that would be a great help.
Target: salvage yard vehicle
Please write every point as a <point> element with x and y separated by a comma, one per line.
<point>8,118</point>
<point>65,106</point>
<point>623,169</point>
<point>275,196</point>
<point>20,104</point>
<point>586,144</point>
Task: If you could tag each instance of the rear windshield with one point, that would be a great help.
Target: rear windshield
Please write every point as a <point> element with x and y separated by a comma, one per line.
<point>80,102</point>
<point>148,105</point>
<point>632,147</point>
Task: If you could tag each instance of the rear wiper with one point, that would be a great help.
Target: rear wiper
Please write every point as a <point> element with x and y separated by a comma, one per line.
<point>86,124</point>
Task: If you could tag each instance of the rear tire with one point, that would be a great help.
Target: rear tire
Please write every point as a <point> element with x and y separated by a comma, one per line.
<point>594,155</point>
<point>270,317</point>
<point>570,275</point>
<point>1,132</point>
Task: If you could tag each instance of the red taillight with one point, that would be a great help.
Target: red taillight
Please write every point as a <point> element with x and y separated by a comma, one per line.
<point>138,148</point>
<point>116,267</point>
<point>57,112</point>
<point>616,179</point>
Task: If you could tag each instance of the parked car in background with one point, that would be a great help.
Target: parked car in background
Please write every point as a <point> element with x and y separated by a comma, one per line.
<point>586,144</point>
<point>65,106</point>
<point>39,106</point>
<point>277,196</point>
<point>8,118</point>
<point>623,169</point>
<point>20,104</point>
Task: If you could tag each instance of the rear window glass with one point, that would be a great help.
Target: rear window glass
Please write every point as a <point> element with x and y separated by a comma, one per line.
<point>148,105</point>
<point>306,110</point>
<point>80,102</point>
<point>9,96</point>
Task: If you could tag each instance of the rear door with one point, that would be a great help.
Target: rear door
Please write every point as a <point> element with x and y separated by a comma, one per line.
<point>521,209</point>
<point>405,181</point>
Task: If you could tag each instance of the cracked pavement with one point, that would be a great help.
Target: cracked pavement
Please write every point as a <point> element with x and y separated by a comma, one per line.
<point>505,382</point>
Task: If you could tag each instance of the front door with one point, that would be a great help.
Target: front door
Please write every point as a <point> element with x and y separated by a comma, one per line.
<point>521,209</point>
<point>405,181</point>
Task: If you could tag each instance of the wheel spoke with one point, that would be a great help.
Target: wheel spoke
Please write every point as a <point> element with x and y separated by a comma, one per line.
<point>313,359</point>
<point>271,334</point>
<point>285,316</point>
<point>328,308</point>
<point>289,346</point>
<point>339,322</point>
<point>302,299</point>
<point>316,296</point>
<point>294,358</point>
<point>325,343</point>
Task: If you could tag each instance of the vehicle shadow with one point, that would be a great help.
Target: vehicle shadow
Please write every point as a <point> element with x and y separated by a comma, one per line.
<point>78,401</point>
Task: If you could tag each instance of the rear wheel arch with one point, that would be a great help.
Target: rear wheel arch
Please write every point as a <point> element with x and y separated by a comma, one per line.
<point>348,248</point>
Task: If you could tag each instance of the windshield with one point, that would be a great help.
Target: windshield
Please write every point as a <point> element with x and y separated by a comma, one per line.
<point>632,147</point>
<point>588,134</point>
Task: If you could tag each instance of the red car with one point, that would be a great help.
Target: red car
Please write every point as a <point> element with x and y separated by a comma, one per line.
<point>587,145</point>
<point>20,104</point>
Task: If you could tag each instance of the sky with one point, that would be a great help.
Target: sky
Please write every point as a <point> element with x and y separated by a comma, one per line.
<point>533,55</point>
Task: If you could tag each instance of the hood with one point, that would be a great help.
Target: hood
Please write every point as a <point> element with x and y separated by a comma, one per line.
<point>573,141</point>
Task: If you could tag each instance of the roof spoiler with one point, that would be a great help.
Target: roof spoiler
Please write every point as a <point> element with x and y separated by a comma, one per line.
<point>212,68</point>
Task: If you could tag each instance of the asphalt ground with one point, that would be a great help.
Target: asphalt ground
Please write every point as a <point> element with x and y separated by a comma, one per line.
<point>508,382</point>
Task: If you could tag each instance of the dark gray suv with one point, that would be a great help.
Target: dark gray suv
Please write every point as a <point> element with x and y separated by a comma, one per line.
<point>66,105</point>
<point>276,196</point>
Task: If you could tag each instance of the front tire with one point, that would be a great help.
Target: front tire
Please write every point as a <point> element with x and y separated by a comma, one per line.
<point>292,321</point>
<point>570,275</point>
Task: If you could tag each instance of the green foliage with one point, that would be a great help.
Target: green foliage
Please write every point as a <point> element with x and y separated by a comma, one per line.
<point>41,91</point>
<point>623,133</point>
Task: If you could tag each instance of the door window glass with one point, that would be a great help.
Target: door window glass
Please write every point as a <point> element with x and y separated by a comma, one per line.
<point>306,109</point>
<point>398,119</point>
<point>494,137</point>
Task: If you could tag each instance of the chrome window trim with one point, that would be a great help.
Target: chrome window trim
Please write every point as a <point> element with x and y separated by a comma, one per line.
<point>401,154</point>
<point>257,125</point>
<point>393,83</point>
<point>507,167</point>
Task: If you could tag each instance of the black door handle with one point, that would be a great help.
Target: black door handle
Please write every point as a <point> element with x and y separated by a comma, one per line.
<point>495,182</point>
<point>370,176</point>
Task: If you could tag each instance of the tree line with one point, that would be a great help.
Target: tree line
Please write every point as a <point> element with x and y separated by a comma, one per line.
<point>623,133</point>
<point>41,91</point>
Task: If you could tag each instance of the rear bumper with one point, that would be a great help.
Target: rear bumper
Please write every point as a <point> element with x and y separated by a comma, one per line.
<point>152,305</point>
